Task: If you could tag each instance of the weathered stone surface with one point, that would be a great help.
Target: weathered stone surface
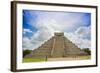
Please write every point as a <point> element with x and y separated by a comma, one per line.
<point>57,46</point>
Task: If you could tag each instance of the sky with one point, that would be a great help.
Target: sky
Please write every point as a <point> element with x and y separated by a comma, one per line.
<point>39,26</point>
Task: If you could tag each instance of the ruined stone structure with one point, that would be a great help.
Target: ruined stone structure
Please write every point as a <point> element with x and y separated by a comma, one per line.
<point>57,46</point>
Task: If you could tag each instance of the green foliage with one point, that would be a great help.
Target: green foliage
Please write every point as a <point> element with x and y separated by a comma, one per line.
<point>25,52</point>
<point>87,50</point>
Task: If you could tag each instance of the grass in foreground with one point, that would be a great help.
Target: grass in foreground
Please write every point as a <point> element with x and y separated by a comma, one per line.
<point>33,60</point>
<point>85,57</point>
<point>27,60</point>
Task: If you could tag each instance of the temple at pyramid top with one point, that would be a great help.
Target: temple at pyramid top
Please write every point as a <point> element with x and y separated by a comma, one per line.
<point>58,34</point>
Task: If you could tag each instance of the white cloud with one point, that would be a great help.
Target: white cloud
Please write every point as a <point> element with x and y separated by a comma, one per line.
<point>58,21</point>
<point>26,43</point>
<point>30,43</point>
<point>80,37</point>
<point>26,30</point>
<point>84,32</point>
<point>37,39</point>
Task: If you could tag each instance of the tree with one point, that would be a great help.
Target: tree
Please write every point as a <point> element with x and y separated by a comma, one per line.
<point>25,52</point>
<point>87,50</point>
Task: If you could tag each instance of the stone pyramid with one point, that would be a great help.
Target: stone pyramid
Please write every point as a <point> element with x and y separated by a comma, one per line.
<point>57,46</point>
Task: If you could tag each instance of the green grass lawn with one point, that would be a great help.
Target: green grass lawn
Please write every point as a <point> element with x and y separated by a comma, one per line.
<point>85,57</point>
<point>26,60</point>
<point>33,60</point>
